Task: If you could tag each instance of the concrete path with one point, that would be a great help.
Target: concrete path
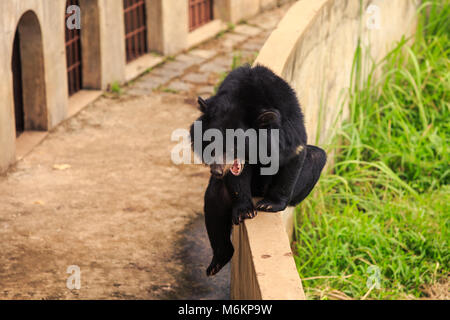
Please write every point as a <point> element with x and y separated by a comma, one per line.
<point>198,71</point>
<point>102,193</point>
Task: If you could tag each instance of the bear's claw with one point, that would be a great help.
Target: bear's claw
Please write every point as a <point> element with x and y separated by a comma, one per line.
<point>213,270</point>
<point>270,205</point>
<point>218,263</point>
<point>239,215</point>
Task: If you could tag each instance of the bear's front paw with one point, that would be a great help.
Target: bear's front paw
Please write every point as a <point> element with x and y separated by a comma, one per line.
<point>242,212</point>
<point>269,205</point>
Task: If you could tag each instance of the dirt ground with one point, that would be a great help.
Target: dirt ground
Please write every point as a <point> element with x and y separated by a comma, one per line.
<point>102,193</point>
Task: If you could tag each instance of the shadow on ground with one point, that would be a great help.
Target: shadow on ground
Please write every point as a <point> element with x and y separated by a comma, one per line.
<point>196,253</point>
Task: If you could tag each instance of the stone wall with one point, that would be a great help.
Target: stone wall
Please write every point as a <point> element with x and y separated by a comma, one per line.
<point>313,49</point>
<point>103,51</point>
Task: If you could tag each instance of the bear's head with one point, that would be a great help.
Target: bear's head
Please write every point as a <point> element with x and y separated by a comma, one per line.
<point>227,134</point>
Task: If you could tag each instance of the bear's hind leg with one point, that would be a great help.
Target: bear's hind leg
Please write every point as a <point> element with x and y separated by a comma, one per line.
<point>309,175</point>
<point>218,225</point>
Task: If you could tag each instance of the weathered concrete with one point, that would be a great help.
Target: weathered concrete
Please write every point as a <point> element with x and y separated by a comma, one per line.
<point>205,32</point>
<point>180,86</point>
<point>45,89</point>
<point>241,10</point>
<point>50,168</point>
<point>313,49</point>
<point>314,46</point>
<point>137,67</point>
<point>168,20</point>
<point>32,192</point>
<point>103,51</point>
<point>112,48</point>
<point>262,265</point>
<point>81,99</point>
<point>196,77</point>
<point>98,193</point>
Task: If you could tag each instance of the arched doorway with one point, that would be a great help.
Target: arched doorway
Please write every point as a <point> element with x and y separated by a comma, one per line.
<point>27,66</point>
<point>17,85</point>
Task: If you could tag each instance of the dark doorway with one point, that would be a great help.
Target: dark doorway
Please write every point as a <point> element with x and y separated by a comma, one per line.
<point>135,28</point>
<point>18,86</point>
<point>200,13</point>
<point>28,75</point>
<point>73,54</point>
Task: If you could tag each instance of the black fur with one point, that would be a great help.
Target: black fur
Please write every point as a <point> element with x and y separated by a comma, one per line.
<point>255,98</point>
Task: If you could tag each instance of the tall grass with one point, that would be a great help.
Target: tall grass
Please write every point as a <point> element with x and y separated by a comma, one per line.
<point>384,201</point>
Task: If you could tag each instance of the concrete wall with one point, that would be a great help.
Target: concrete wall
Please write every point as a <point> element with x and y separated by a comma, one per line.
<point>312,48</point>
<point>54,96</point>
<point>168,21</point>
<point>112,41</point>
<point>103,52</point>
<point>238,10</point>
<point>262,266</point>
<point>172,18</point>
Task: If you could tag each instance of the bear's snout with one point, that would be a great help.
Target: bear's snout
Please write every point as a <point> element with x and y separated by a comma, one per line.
<point>217,170</point>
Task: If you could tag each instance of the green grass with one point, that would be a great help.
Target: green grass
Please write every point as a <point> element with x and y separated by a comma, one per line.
<point>384,199</point>
<point>116,88</point>
<point>168,90</point>
<point>238,61</point>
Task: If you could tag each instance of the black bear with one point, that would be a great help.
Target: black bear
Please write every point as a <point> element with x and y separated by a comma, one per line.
<point>254,98</point>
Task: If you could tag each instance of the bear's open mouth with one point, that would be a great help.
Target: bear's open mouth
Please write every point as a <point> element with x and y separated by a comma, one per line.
<point>220,170</point>
<point>236,168</point>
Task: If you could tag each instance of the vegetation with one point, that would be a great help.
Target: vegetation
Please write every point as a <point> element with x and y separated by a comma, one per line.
<point>231,26</point>
<point>115,88</point>
<point>168,90</point>
<point>238,61</point>
<point>383,204</point>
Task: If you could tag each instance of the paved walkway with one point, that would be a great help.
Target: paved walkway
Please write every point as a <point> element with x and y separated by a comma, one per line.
<point>102,193</point>
<point>198,71</point>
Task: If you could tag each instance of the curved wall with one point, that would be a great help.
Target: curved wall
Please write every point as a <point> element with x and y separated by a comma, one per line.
<point>313,49</point>
<point>314,46</point>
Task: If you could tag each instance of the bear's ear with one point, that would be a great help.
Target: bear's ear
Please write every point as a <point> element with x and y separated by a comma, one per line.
<point>268,117</point>
<point>202,104</point>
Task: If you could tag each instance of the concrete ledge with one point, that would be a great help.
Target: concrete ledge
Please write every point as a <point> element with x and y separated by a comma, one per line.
<point>312,49</point>
<point>205,32</point>
<point>81,99</point>
<point>27,141</point>
<point>288,222</point>
<point>262,266</point>
<point>140,65</point>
